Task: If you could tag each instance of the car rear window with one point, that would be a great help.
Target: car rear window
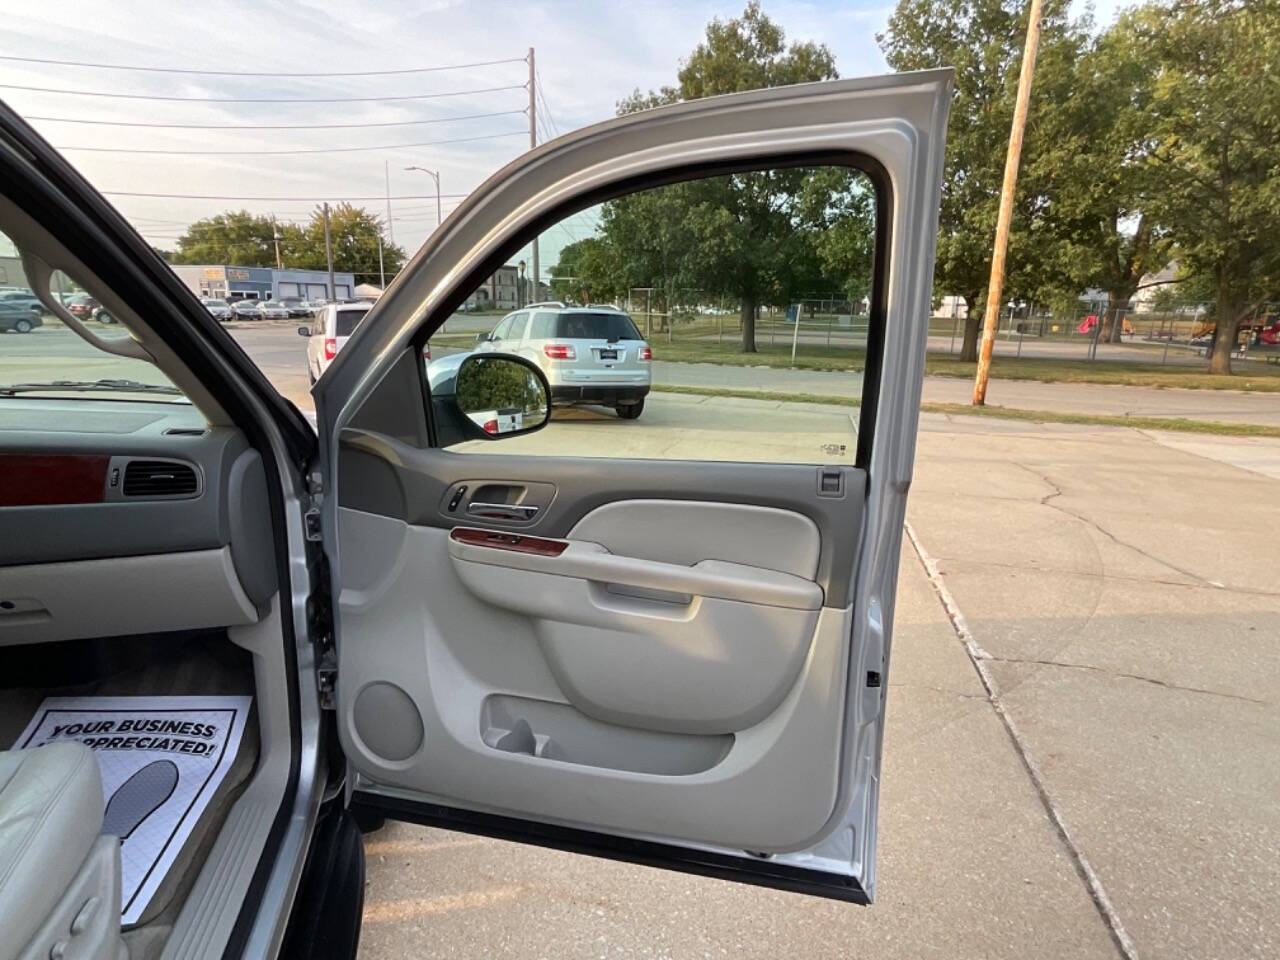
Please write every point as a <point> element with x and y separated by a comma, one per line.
<point>584,326</point>
<point>347,321</point>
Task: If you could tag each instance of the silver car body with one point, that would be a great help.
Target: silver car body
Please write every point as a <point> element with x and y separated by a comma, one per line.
<point>589,354</point>
<point>334,323</point>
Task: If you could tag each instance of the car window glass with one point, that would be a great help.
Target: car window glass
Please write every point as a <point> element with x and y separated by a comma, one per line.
<point>721,318</point>
<point>500,331</point>
<point>347,322</point>
<point>40,355</point>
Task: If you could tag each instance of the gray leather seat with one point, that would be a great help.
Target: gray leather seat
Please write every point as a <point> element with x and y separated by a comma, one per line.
<point>59,880</point>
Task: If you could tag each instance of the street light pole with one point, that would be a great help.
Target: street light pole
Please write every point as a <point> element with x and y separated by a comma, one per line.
<point>434,175</point>
<point>382,274</point>
<point>328,252</point>
<point>391,230</point>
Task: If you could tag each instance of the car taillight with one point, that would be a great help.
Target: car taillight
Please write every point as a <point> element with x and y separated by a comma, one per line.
<point>646,353</point>
<point>426,352</point>
<point>491,426</point>
<point>560,351</point>
<point>330,348</point>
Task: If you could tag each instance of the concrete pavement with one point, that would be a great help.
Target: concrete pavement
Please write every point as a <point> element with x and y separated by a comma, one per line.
<point>1119,590</point>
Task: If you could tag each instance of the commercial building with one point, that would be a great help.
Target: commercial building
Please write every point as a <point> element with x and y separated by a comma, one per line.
<point>263,283</point>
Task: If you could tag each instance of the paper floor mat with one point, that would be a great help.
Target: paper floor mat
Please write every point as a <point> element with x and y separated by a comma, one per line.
<point>161,759</point>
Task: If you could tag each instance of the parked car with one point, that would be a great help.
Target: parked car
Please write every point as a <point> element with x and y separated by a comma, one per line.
<point>219,309</point>
<point>682,664</point>
<point>17,317</point>
<point>273,310</point>
<point>103,315</point>
<point>245,310</point>
<point>296,306</point>
<point>589,354</point>
<point>81,307</point>
<point>25,298</point>
<point>334,323</point>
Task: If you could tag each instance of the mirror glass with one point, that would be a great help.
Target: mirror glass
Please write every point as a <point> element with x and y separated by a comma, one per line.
<point>501,395</point>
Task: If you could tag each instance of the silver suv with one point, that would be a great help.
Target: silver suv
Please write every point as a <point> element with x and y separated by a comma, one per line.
<point>591,354</point>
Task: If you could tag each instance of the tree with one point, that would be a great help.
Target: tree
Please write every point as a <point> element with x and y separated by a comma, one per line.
<point>734,213</point>
<point>237,238</point>
<point>982,40</point>
<point>243,239</point>
<point>1216,158</point>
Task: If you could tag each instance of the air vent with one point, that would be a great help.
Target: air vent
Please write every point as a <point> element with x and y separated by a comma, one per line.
<point>159,478</point>
<point>184,432</point>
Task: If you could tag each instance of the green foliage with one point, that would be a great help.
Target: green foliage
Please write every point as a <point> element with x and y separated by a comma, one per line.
<point>727,235</point>
<point>240,238</point>
<point>1216,147</point>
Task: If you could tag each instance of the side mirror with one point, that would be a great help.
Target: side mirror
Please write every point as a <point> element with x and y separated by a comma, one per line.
<point>501,396</point>
<point>482,338</point>
<point>304,331</point>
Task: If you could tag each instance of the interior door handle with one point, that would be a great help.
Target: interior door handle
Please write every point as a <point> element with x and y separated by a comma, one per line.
<point>502,511</point>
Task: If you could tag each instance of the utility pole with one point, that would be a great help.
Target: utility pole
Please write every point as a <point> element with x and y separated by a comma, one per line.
<point>995,287</point>
<point>328,252</point>
<point>391,230</point>
<point>275,236</point>
<point>382,274</point>
<point>533,142</point>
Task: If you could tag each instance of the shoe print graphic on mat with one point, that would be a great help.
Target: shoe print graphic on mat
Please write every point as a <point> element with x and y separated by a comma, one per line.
<point>139,797</point>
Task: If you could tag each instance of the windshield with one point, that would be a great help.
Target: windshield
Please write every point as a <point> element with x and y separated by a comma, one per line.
<point>41,357</point>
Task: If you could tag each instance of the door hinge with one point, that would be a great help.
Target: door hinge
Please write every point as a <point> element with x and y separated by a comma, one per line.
<point>327,677</point>
<point>311,518</point>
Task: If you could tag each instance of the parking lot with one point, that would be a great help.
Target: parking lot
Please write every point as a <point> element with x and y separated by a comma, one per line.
<point>1080,751</point>
<point>1093,775</point>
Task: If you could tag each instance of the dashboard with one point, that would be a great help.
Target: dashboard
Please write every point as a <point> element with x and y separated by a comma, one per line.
<point>125,517</point>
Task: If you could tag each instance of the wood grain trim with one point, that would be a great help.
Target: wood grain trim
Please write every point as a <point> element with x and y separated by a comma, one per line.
<point>512,542</point>
<point>39,479</point>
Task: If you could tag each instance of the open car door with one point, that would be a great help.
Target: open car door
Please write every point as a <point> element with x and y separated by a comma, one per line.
<point>681,662</point>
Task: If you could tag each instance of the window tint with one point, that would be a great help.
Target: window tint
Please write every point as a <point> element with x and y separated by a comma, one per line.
<point>595,326</point>
<point>500,331</point>
<point>347,321</point>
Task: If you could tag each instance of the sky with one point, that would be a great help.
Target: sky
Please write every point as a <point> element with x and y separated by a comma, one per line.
<point>588,56</point>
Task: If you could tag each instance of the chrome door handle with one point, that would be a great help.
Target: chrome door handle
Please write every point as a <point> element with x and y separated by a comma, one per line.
<point>502,511</point>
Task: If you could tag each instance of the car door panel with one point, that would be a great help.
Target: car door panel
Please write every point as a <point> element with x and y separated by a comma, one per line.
<point>481,658</point>
<point>696,677</point>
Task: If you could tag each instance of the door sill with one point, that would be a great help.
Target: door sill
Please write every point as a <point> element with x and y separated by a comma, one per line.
<point>760,872</point>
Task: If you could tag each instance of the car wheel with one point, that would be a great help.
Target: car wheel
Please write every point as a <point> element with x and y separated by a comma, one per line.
<point>23,326</point>
<point>630,411</point>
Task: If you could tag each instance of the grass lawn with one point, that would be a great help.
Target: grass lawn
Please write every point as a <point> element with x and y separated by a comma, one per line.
<point>1175,424</point>
<point>1258,377</point>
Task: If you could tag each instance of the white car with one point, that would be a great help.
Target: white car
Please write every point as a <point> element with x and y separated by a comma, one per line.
<point>273,310</point>
<point>591,354</point>
<point>219,309</point>
<point>334,323</point>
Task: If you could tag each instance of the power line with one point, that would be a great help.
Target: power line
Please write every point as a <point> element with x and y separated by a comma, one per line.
<point>196,196</point>
<point>147,96</point>
<point>241,73</point>
<point>272,126</point>
<point>290,153</point>
<point>543,97</point>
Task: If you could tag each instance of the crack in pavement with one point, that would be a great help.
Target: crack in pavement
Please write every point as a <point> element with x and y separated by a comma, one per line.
<point>1057,492</point>
<point>978,658</point>
<point>1059,571</point>
<point>1129,676</point>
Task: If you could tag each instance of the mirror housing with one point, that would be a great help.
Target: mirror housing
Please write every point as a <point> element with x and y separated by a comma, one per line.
<point>482,338</point>
<point>304,331</point>
<point>501,396</point>
<point>486,396</point>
